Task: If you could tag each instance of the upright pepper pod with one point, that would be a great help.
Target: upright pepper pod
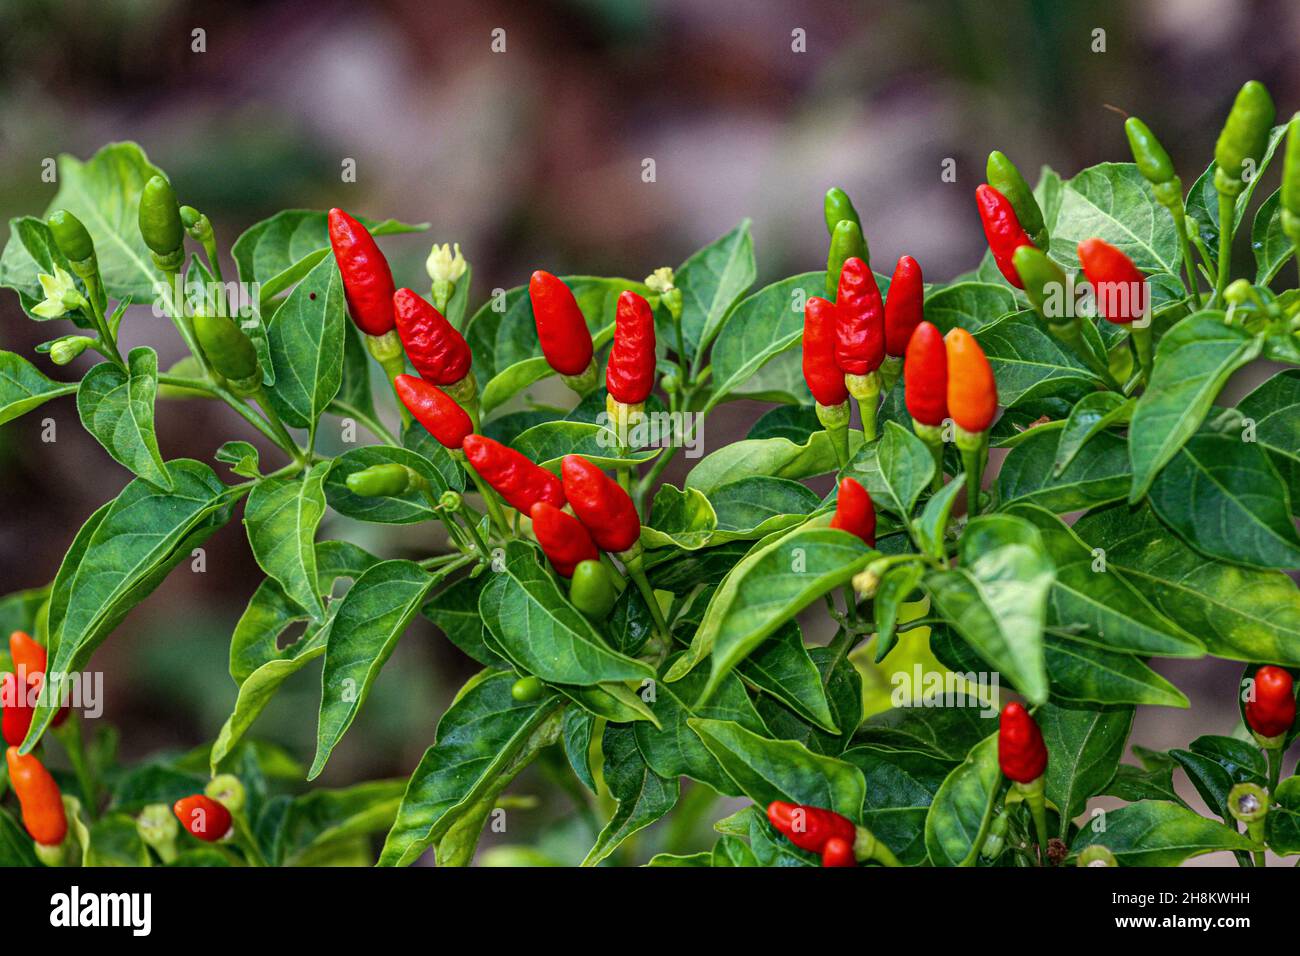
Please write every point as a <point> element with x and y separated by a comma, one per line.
<point>1002,229</point>
<point>847,242</point>
<point>904,311</point>
<point>202,817</point>
<point>29,660</point>
<point>160,224</point>
<point>438,352</point>
<point>519,481</point>
<point>1049,292</point>
<point>1003,176</point>
<point>601,505</point>
<point>854,511</point>
<point>925,391</point>
<point>1291,184</point>
<point>1153,162</point>
<point>1244,139</point>
<point>630,375</point>
<point>860,338</point>
<point>42,803</point>
<point>1022,756</point>
<point>1121,293</point>
<point>973,404</point>
<point>823,375</point>
<point>74,242</point>
<point>1270,712</point>
<point>837,207</point>
<point>229,352</point>
<point>433,408</point>
<point>367,279</point>
<point>562,331</point>
<point>564,540</point>
<point>15,709</point>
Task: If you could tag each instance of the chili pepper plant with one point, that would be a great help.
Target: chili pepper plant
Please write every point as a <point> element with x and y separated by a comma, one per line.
<point>1001,497</point>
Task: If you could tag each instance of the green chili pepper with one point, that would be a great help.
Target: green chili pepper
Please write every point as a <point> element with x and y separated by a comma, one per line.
<point>1244,137</point>
<point>526,689</point>
<point>847,242</point>
<point>380,481</point>
<point>592,590</point>
<point>837,206</point>
<point>1291,182</point>
<point>1042,277</point>
<point>229,352</point>
<point>1003,176</point>
<point>1154,164</point>
<point>160,224</point>
<point>72,238</point>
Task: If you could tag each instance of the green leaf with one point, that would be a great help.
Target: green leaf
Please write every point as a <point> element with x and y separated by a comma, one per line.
<point>781,666</point>
<point>903,785</point>
<point>795,422</point>
<point>114,841</point>
<point>1029,364</point>
<point>790,719</point>
<point>1283,821</point>
<point>1270,243</point>
<point>306,343</point>
<point>947,733</point>
<point>711,281</point>
<point>1113,202</point>
<point>319,822</point>
<point>355,394</point>
<point>1274,407</point>
<point>895,470</point>
<point>969,305</point>
<point>1084,672</point>
<point>454,610</point>
<point>932,525</point>
<point>1203,197</point>
<point>530,617</point>
<point>773,457</point>
<point>243,458</point>
<point>1135,783</point>
<point>1090,416</point>
<point>24,387</point>
<point>1085,744</point>
<point>897,585</point>
<point>1099,474</point>
<point>549,442</point>
<point>512,380</point>
<point>962,807</point>
<point>1193,361</point>
<point>16,847</point>
<point>1158,833</point>
<point>255,692</point>
<point>410,507</point>
<point>282,516</point>
<point>747,508</point>
<point>484,739</point>
<point>1215,765</point>
<point>643,796</point>
<point>119,556</point>
<point>997,598</point>
<point>1238,613</point>
<point>768,770</point>
<point>761,327</point>
<point>578,726</point>
<point>116,407</point>
<point>362,635</point>
<point>1224,498</point>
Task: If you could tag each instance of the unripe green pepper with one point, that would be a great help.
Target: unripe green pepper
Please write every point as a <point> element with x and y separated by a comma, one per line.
<point>837,206</point>
<point>1244,137</point>
<point>1154,164</point>
<point>526,689</point>
<point>71,237</point>
<point>1003,176</point>
<point>1040,274</point>
<point>160,224</point>
<point>380,481</point>
<point>1291,182</point>
<point>68,348</point>
<point>592,590</point>
<point>229,351</point>
<point>847,242</point>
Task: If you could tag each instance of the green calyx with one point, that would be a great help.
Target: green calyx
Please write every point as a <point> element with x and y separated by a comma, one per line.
<point>159,828</point>
<point>196,224</point>
<point>160,223</point>
<point>1096,855</point>
<point>526,689</point>
<point>592,589</point>
<point>228,790</point>
<point>1045,285</point>
<point>847,241</point>
<point>380,481</point>
<point>1244,137</point>
<point>72,238</point>
<point>1152,160</point>
<point>1248,803</point>
<point>229,351</point>
<point>837,207</point>
<point>1003,176</point>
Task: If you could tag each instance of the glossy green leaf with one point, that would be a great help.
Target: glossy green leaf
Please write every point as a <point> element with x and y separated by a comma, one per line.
<point>306,344</point>
<point>895,470</point>
<point>969,305</point>
<point>410,507</point>
<point>643,796</point>
<point>24,387</point>
<point>281,517</point>
<point>1274,408</point>
<point>1098,474</point>
<point>711,281</point>
<point>1092,414</point>
<point>1283,821</point>
<point>902,785</point>
<point>243,458</point>
<point>454,610</point>
<point>1081,671</point>
<point>789,719</point>
<point>782,667</point>
<point>962,807</point>
<point>549,442</point>
<point>932,524</point>
<point>1112,201</point>
<point>319,821</point>
<point>1085,744</point>
<point>947,733</point>
<point>897,585</point>
<point>577,727</point>
<point>1030,364</point>
<point>1268,241</point>
<point>116,407</point>
<point>1158,833</point>
<point>773,457</point>
<point>760,327</point>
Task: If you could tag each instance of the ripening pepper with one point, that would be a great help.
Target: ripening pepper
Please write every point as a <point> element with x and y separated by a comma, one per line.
<point>836,207</point>
<point>601,504</point>
<point>904,306</point>
<point>1003,176</point>
<point>630,376</point>
<point>229,351</point>
<point>972,390</point>
<point>367,279</point>
<point>1002,229</point>
<point>561,328</point>
<point>519,481</point>
<point>925,376</point>
<point>859,320</point>
<point>160,224</point>
<point>1120,289</point>
<point>1244,138</point>
<point>847,242</point>
<point>592,589</point>
<point>29,658</point>
<point>824,377</point>
<point>39,795</point>
<point>202,817</point>
<point>1022,755</point>
<point>438,352</point>
<point>433,408</point>
<point>15,709</point>
<point>1271,712</point>
<point>810,827</point>
<point>854,511</point>
<point>564,540</point>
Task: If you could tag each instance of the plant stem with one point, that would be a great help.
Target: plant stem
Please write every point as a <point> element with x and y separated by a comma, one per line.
<point>70,734</point>
<point>217,391</point>
<point>101,323</point>
<point>1227,215</point>
<point>489,497</point>
<point>1185,247</point>
<point>283,439</point>
<point>373,425</point>
<point>1274,755</point>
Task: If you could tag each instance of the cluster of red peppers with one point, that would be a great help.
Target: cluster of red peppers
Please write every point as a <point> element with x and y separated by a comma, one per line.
<point>832,836</point>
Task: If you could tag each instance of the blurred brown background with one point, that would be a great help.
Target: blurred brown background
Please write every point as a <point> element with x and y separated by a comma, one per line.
<point>532,157</point>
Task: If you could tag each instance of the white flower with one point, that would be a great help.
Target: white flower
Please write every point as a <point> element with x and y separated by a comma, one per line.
<point>61,295</point>
<point>661,280</point>
<point>445,263</point>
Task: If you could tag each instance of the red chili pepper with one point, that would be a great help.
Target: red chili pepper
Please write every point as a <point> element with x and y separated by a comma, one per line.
<point>1120,289</point>
<point>563,538</point>
<point>825,378</point>
<point>838,852</point>
<point>630,376</point>
<point>925,376</point>
<point>367,280</point>
<point>859,320</point>
<point>1002,229</point>
<point>438,352</point>
<point>435,410</point>
<point>29,661</point>
<point>810,827</point>
<point>904,308</point>
<point>561,328</point>
<point>972,390</point>
<point>1272,712</point>
<point>203,817</point>
<point>16,718</point>
<point>519,481</point>
<point>39,796</point>
<point>854,511</point>
<point>601,504</point>
<point>1021,751</point>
